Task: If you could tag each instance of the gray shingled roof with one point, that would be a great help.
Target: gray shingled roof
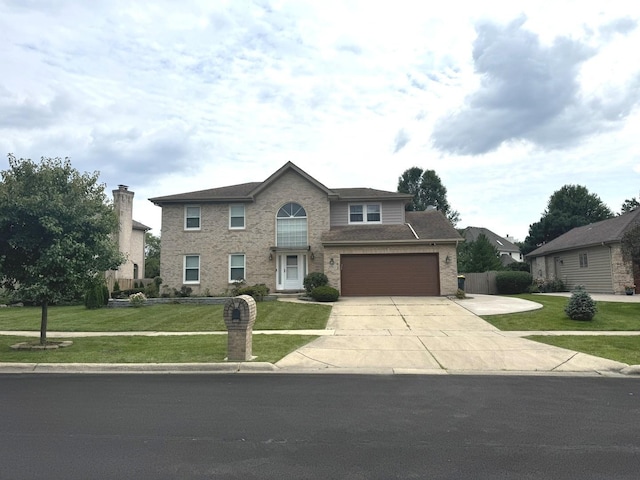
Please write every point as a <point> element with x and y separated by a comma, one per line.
<point>471,234</point>
<point>139,226</point>
<point>606,231</point>
<point>428,226</point>
<point>245,191</point>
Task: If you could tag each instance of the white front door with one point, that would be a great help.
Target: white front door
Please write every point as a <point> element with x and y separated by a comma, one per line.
<point>291,271</point>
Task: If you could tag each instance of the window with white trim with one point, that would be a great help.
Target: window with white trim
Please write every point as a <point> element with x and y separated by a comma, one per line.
<point>364,213</point>
<point>236,216</point>
<point>237,267</point>
<point>584,261</point>
<point>192,217</point>
<point>291,226</point>
<point>191,269</point>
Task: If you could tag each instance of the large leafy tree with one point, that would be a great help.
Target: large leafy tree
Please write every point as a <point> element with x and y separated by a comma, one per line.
<point>427,190</point>
<point>56,231</point>
<point>629,205</point>
<point>478,256</point>
<point>571,206</point>
<point>152,256</point>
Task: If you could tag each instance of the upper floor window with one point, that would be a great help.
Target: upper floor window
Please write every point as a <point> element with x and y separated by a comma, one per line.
<point>364,213</point>
<point>291,228</point>
<point>236,216</point>
<point>191,218</point>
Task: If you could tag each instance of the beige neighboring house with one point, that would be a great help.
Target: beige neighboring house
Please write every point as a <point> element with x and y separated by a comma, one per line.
<point>131,241</point>
<point>590,255</point>
<point>278,230</point>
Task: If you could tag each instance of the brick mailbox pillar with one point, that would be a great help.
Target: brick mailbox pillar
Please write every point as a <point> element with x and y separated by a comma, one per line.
<point>239,317</point>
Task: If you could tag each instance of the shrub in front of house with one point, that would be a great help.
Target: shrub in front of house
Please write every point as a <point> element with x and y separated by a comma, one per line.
<point>257,291</point>
<point>94,296</point>
<point>324,293</point>
<point>513,282</point>
<point>580,306</point>
<point>313,280</point>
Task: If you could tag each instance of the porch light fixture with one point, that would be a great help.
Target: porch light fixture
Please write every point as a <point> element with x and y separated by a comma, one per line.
<point>312,256</point>
<point>448,259</point>
<point>270,256</point>
<point>331,262</point>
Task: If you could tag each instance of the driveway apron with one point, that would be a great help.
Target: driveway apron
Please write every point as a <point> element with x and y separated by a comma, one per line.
<point>428,335</point>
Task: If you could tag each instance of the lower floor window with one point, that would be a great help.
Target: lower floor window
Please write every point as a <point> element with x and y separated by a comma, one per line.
<point>191,268</point>
<point>584,261</point>
<point>236,267</point>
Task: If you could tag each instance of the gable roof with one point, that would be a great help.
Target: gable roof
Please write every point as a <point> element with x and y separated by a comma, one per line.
<point>139,226</point>
<point>429,226</point>
<point>246,192</point>
<point>471,234</point>
<point>605,231</point>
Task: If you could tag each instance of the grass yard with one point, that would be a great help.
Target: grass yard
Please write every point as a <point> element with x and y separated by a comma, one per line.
<point>163,318</point>
<point>139,349</point>
<point>610,316</point>
<point>621,349</point>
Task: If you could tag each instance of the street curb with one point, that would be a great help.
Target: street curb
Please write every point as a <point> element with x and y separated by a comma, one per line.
<point>631,370</point>
<point>230,367</point>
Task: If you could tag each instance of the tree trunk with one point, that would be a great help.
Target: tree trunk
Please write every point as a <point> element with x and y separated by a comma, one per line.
<point>43,323</point>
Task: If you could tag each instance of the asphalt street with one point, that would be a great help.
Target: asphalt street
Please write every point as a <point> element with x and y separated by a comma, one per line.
<point>318,427</point>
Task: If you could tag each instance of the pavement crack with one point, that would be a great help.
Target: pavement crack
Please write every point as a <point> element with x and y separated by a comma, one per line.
<point>565,362</point>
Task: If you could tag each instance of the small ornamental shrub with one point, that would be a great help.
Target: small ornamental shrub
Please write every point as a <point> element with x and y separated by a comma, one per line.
<point>513,282</point>
<point>137,299</point>
<point>460,294</point>
<point>94,296</point>
<point>258,291</point>
<point>518,267</point>
<point>580,306</point>
<point>184,291</point>
<point>313,280</point>
<point>105,294</point>
<point>116,286</point>
<point>325,293</point>
<point>151,290</point>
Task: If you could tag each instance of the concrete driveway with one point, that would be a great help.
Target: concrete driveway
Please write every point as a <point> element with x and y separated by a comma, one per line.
<point>430,335</point>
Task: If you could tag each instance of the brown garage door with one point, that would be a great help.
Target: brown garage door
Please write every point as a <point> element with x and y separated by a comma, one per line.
<point>397,274</point>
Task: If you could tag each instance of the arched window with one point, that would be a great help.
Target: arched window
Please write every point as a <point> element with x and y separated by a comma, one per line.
<point>291,226</point>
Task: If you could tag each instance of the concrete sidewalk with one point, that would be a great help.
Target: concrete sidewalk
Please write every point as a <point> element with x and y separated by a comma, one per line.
<point>391,335</point>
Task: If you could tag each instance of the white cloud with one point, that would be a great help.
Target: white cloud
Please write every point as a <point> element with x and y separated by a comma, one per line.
<point>172,97</point>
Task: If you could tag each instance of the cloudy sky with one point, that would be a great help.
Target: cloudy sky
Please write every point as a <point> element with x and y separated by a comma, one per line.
<point>506,100</point>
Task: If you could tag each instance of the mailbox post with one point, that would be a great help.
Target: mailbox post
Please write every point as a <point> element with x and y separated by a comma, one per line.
<point>239,317</point>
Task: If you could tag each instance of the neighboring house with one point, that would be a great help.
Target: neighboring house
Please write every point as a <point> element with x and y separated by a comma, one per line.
<point>130,240</point>
<point>589,255</point>
<point>509,252</point>
<point>276,231</point>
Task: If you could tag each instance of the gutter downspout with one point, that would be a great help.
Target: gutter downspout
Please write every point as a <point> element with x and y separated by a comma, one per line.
<point>413,231</point>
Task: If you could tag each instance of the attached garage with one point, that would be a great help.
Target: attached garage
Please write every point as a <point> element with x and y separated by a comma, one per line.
<point>410,274</point>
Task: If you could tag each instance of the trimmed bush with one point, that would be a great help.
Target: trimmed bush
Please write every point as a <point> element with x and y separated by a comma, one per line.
<point>258,291</point>
<point>513,282</point>
<point>325,293</point>
<point>94,296</point>
<point>581,306</point>
<point>313,280</point>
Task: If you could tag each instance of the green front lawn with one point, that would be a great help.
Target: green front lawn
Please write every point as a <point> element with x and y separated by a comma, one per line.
<point>164,318</point>
<point>610,316</point>
<point>138,349</point>
<point>621,349</point>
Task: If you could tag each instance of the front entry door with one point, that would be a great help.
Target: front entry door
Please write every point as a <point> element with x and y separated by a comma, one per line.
<point>291,271</point>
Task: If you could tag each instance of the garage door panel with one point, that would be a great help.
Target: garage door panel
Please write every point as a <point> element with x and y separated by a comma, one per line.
<point>393,274</point>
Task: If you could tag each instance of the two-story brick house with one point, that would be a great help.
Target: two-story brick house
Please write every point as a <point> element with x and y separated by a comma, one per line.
<point>276,231</point>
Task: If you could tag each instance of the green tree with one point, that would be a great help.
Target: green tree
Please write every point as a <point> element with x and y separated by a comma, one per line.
<point>151,255</point>
<point>427,190</point>
<point>629,205</point>
<point>478,256</point>
<point>56,231</point>
<point>571,206</point>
